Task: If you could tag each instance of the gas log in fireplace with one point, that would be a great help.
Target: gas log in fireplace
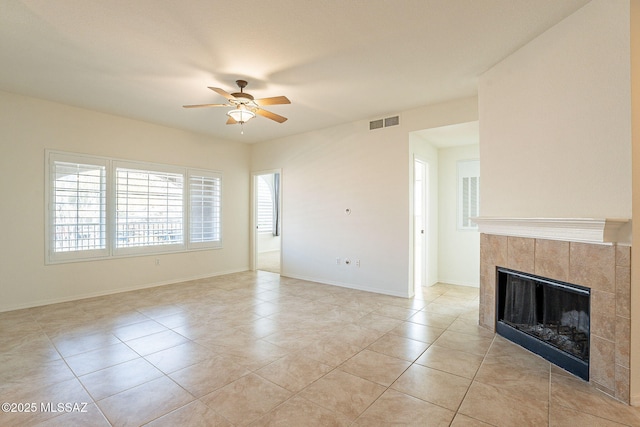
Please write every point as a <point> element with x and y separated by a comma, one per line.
<point>547,317</point>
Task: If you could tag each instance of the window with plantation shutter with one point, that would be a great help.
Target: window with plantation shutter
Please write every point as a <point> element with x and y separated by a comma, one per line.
<point>468,193</point>
<point>205,192</point>
<point>77,201</point>
<point>98,207</point>
<point>265,205</point>
<point>149,208</point>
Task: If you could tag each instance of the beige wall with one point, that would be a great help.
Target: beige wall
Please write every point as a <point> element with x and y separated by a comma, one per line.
<point>635,254</point>
<point>555,122</point>
<point>28,127</point>
<point>459,251</point>
<point>324,173</point>
<point>349,167</point>
<point>555,129</point>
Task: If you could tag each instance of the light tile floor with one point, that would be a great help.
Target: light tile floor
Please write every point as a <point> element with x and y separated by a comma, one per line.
<point>256,349</point>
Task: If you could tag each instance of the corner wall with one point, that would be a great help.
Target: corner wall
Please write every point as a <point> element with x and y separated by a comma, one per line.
<point>555,133</point>
<point>28,126</point>
<point>459,262</point>
<point>349,167</point>
<point>635,255</point>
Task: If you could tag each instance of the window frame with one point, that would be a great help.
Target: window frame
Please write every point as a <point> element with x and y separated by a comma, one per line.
<point>111,250</point>
<point>268,225</point>
<point>212,244</point>
<point>151,169</point>
<point>467,169</point>
<point>52,255</point>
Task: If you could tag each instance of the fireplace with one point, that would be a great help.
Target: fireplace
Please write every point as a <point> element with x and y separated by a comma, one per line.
<point>548,317</point>
<point>594,253</point>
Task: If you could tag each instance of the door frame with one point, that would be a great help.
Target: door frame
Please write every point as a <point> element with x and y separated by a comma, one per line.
<point>254,215</point>
<point>424,260</point>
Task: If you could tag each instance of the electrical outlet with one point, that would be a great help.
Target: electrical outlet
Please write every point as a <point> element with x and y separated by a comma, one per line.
<point>157,261</point>
<point>357,263</point>
<point>338,261</point>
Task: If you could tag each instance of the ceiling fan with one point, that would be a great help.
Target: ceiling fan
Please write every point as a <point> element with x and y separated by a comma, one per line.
<point>245,105</point>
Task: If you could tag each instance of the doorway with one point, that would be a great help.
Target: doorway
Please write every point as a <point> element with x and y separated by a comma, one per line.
<point>420,224</point>
<point>267,234</point>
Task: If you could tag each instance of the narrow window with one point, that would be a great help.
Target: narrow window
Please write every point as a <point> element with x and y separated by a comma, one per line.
<point>468,194</point>
<point>205,195</point>
<point>77,202</point>
<point>149,208</point>
<point>265,204</point>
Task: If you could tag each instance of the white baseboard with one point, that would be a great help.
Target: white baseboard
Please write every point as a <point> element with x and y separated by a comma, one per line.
<point>48,301</point>
<point>346,285</point>
<point>459,283</point>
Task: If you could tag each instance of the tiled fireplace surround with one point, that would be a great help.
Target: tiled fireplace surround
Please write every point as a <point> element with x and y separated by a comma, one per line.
<point>605,268</point>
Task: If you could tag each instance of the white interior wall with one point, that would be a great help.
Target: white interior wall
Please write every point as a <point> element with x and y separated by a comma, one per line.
<point>328,171</point>
<point>555,122</point>
<point>555,128</point>
<point>324,173</point>
<point>29,126</point>
<point>635,254</point>
<point>267,242</point>
<point>459,251</point>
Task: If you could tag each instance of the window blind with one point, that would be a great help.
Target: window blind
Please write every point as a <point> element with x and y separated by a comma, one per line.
<point>265,206</point>
<point>78,199</point>
<point>99,207</point>
<point>149,208</point>
<point>470,190</point>
<point>468,194</point>
<point>205,201</point>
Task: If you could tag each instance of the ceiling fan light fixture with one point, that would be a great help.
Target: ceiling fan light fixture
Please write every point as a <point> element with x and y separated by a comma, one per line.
<point>241,115</point>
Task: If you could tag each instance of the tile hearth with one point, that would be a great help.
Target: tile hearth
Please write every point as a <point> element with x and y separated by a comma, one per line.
<point>258,349</point>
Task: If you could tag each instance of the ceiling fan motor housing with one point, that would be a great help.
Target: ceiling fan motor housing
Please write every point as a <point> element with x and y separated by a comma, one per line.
<point>241,97</point>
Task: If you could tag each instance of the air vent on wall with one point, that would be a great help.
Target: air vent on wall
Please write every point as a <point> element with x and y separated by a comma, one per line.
<point>376,124</point>
<point>391,121</point>
<point>380,123</point>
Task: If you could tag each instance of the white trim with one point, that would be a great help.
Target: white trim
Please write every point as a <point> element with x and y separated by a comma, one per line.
<point>459,283</point>
<point>346,285</point>
<point>111,250</point>
<point>586,230</point>
<point>213,244</point>
<point>49,301</point>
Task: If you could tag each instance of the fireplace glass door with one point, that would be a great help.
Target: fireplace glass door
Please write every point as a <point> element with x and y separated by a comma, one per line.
<point>547,317</point>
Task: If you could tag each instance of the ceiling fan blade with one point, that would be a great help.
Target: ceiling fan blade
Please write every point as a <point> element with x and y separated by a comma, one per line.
<point>270,115</point>
<point>272,101</point>
<point>222,92</point>
<point>231,121</point>
<point>206,105</point>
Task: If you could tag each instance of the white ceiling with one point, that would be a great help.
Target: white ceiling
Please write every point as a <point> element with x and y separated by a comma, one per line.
<point>338,61</point>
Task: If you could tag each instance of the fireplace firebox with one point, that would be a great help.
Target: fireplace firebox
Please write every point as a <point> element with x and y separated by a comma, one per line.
<point>547,317</point>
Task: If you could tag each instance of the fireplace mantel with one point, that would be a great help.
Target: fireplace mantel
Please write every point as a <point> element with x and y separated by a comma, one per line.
<point>585,230</point>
